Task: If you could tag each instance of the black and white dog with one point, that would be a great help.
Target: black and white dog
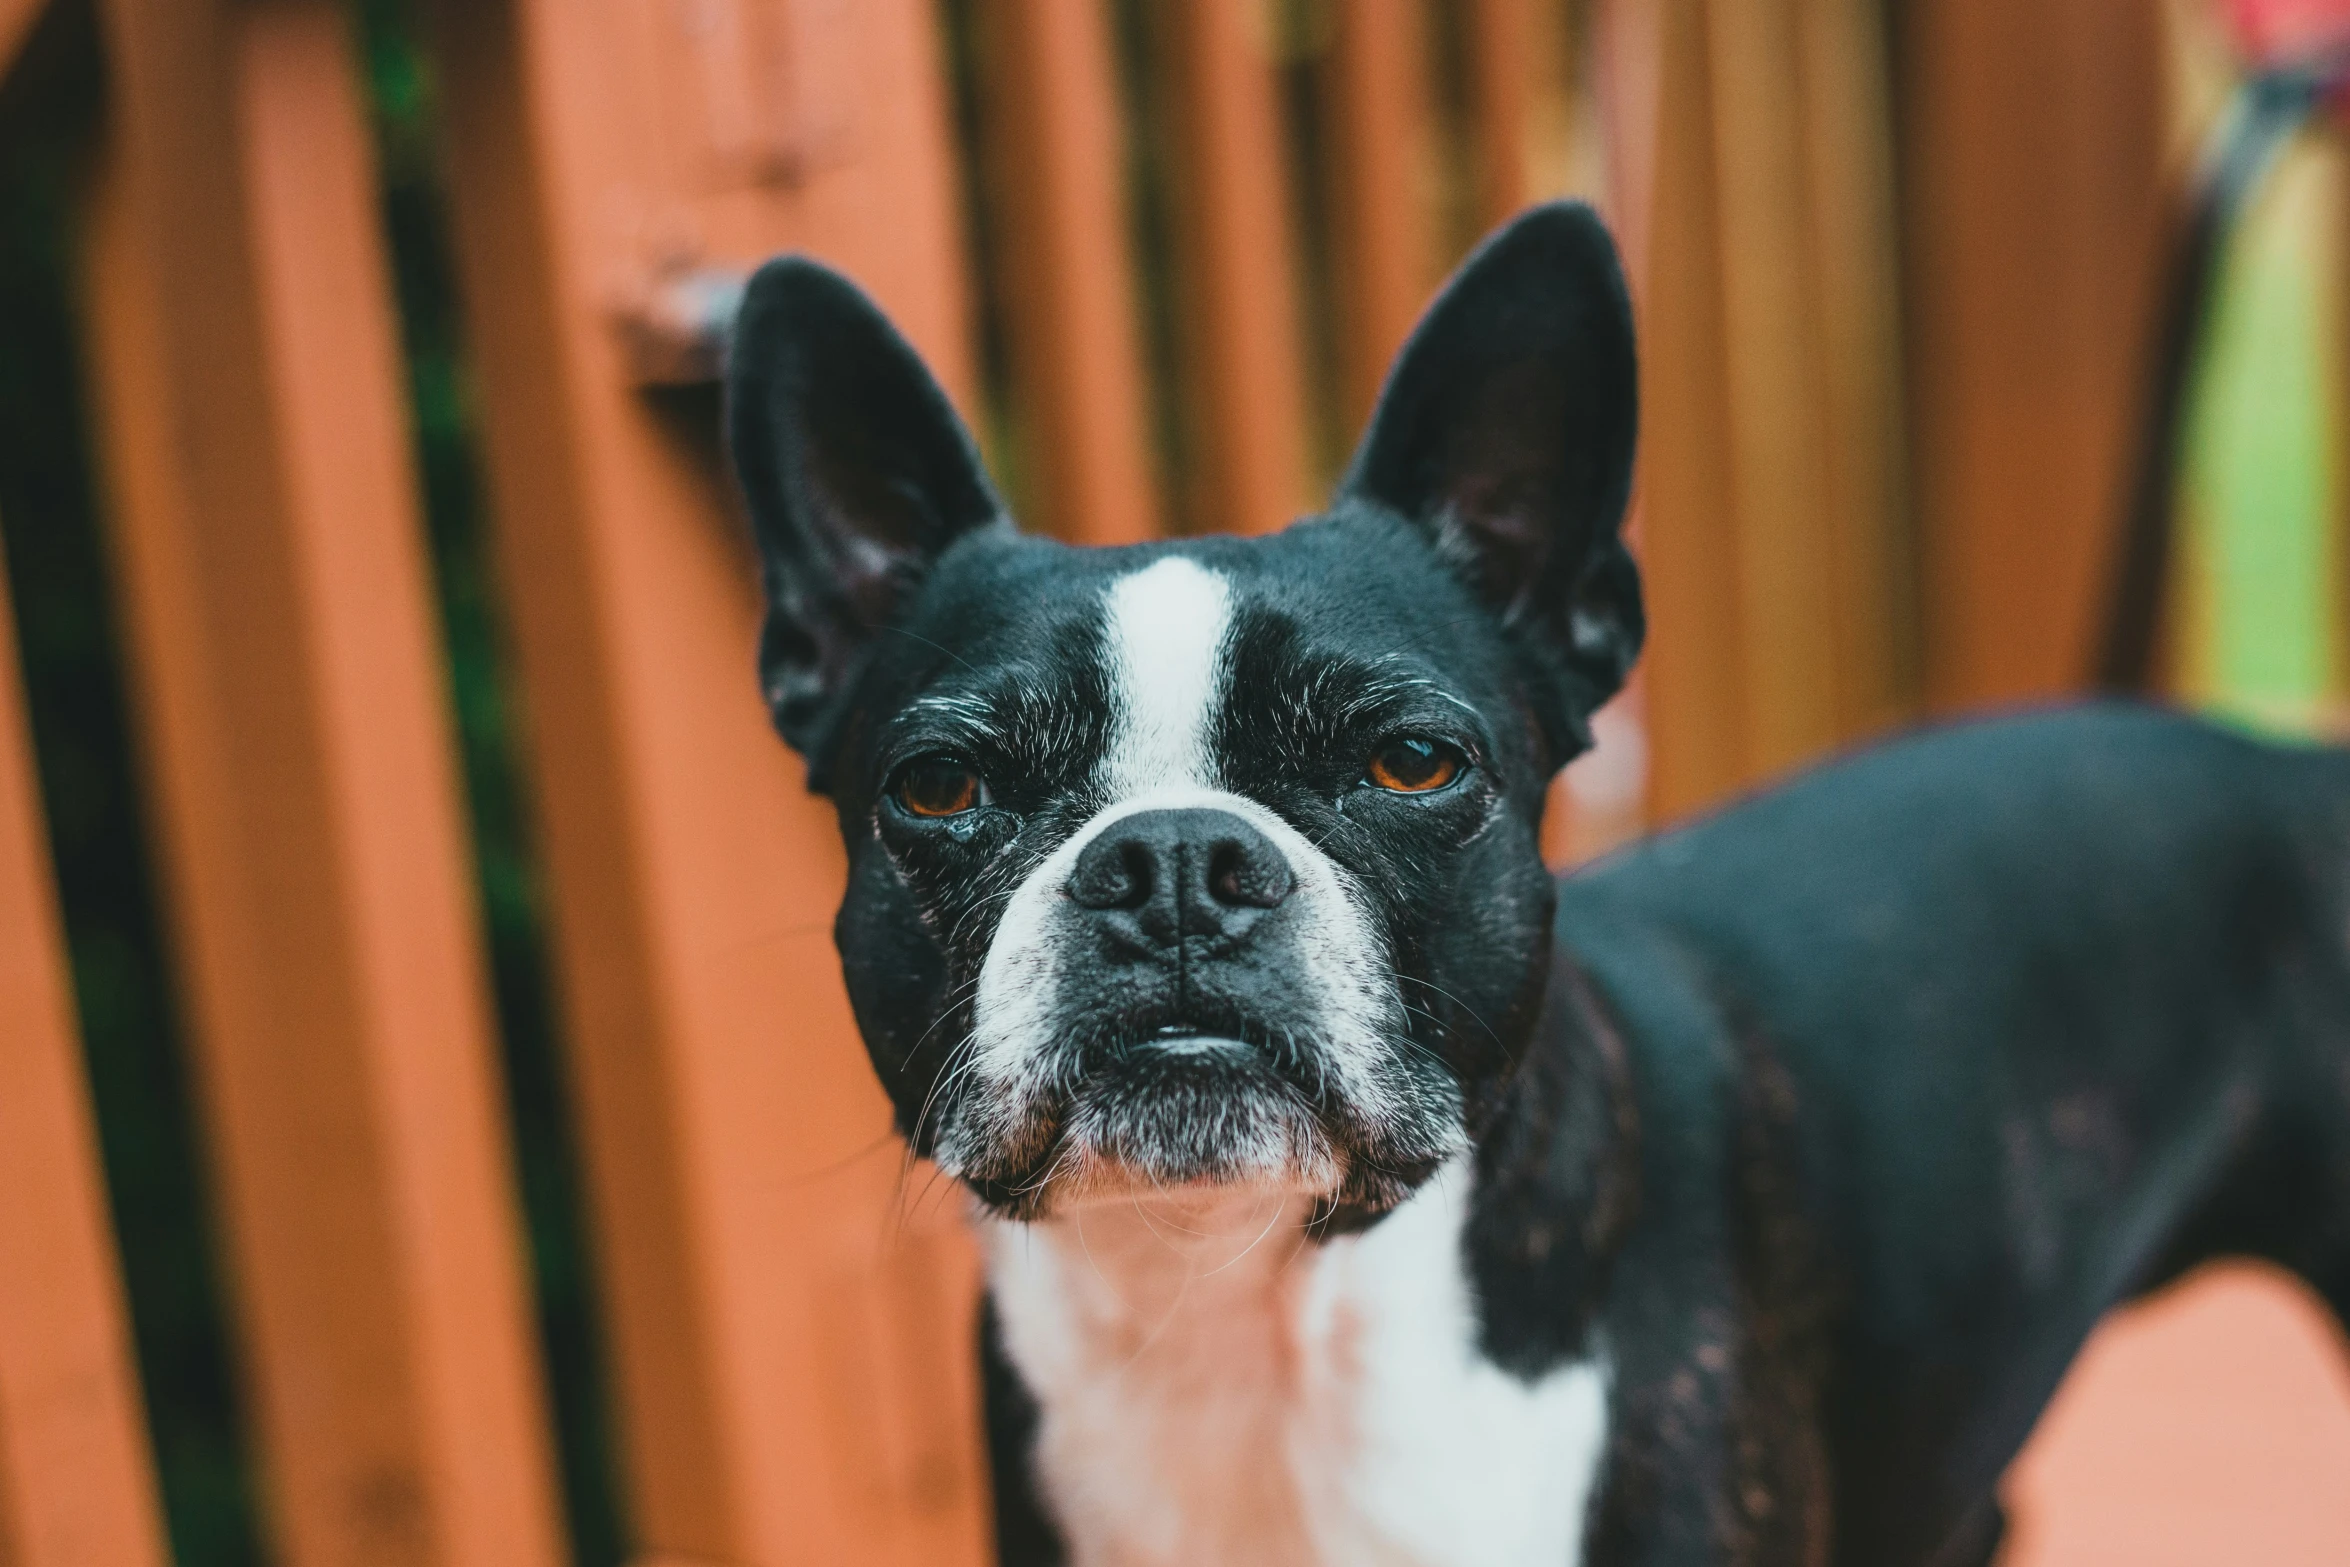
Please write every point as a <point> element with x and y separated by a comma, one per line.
<point>1352,1191</point>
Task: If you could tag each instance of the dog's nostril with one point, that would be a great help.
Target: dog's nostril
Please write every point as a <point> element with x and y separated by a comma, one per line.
<point>1114,874</point>
<point>1140,872</point>
<point>1247,875</point>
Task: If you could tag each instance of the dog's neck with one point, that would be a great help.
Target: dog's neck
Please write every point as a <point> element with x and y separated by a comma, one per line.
<point>1161,1337</point>
<point>1159,1264</point>
<point>1216,1384</point>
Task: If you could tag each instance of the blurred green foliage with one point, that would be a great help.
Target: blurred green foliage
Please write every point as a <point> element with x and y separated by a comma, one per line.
<point>2258,592</point>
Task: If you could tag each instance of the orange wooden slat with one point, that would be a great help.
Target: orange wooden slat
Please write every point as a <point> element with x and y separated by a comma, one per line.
<point>1068,274</point>
<point>1499,35</point>
<point>1240,341</point>
<point>1772,467</point>
<point>1784,564</point>
<point>2032,188</point>
<point>77,1488</point>
<point>1625,46</point>
<point>1845,134</point>
<point>1697,740</point>
<point>794,1365</point>
<point>270,552</point>
<point>1382,251</point>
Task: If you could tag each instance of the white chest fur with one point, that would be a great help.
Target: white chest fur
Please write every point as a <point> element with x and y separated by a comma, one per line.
<point>1217,1389</point>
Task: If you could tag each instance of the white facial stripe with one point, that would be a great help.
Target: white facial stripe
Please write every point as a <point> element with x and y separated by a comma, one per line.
<point>1165,627</point>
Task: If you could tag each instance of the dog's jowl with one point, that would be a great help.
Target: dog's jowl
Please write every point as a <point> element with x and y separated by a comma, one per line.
<point>1354,1192</point>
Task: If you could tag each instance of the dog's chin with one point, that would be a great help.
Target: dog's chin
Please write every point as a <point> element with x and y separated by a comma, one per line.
<point>1190,1118</point>
<point>1202,1114</point>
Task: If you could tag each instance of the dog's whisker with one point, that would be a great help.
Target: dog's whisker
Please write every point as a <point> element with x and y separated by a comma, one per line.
<point>1279,1206</point>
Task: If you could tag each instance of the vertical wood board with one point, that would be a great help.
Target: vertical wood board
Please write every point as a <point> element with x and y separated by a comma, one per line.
<point>1068,276</point>
<point>77,1487</point>
<point>282,640</point>
<point>1239,352</point>
<point>792,1360</point>
<point>2032,178</point>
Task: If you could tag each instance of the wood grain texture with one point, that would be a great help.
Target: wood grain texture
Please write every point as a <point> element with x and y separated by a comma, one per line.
<point>1381,178</point>
<point>2034,208</point>
<point>77,1488</point>
<point>1500,36</point>
<point>303,785</point>
<point>1773,512</point>
<point>1068,276</point>
<point>1240,343</point>
<point>792,1352</point>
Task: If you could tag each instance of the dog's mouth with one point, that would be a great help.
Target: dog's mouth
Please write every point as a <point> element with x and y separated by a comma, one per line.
<point>1180,1103</point>
<point>1180,1109</point>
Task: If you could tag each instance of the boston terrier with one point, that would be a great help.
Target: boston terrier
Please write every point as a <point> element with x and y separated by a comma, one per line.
<point>1354,1191</point>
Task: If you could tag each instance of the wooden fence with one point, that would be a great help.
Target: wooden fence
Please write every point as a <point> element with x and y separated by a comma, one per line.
<point>791,1363</point>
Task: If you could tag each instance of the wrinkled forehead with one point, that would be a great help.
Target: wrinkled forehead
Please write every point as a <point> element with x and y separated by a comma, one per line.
<point>1158,664</point>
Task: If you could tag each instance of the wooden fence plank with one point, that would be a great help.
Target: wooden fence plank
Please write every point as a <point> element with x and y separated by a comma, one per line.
<point>1845,135</point>
<point>76,1485</point>
<point>1068,274</point>
<point>1500,35</point>
<point>794,1366</point>
<point>1243,381</point>
<point>1625,44</point>
<point>1771,477</point>
<point>1782,560</point>
<point>1382,250</point>
<point>2032,185</point>
<point>1697,726</point>
<point>267,533</point>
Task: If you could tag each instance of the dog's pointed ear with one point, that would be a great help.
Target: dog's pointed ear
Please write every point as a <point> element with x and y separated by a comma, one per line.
<point>858,476</point>
<point>1506,431</point>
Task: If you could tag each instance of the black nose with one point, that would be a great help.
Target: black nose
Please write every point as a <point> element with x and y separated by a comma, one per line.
<point>1181,873</point>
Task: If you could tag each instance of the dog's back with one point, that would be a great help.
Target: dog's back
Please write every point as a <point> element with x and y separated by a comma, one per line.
<point>1988,1030</point>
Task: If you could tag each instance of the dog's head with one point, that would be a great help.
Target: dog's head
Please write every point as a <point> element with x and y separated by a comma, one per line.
<point>1214,860</point>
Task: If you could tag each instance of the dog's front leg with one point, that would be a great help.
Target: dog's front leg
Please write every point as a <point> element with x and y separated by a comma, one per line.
<point>1716,1455</point>
<point>1025,1534</point>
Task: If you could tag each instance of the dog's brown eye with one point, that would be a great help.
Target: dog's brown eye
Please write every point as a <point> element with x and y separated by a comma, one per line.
<point>936,786</point>
<point>1411,766</point>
